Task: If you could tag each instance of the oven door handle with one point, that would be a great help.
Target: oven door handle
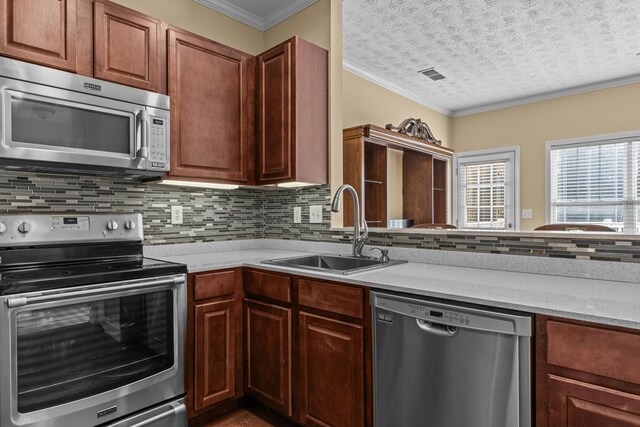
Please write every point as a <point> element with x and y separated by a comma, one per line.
<point>126,286</point>
<point>149,421</point>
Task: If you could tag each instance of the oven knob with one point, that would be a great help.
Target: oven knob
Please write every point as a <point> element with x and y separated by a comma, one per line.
<point>112,225</point>
<point>3,228</point>
<point>130,225</point>
<point>24,227</point>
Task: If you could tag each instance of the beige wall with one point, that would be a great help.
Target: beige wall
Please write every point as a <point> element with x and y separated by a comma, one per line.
<point>365,102</point>
<point>531,125</point>
<point>194,17</point>
<point>312,24</point>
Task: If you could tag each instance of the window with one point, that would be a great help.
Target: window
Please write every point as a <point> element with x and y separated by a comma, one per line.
<point>485,184</point>
<point>594,181</point>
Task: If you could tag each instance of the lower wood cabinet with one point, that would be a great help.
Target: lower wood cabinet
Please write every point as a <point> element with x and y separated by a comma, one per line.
<point>586,374</point>
<point>300,346</point>
<point>214,353</point>
<point>268,338</point>
<point>214,345</point>
<point>574,403</point>
<point>330,372</point>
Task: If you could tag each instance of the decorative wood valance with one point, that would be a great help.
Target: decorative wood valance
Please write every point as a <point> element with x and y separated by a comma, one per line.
<point>415,128</point>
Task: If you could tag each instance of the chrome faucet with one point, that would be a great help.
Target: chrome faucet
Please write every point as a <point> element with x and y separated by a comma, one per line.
<point>359,240</point>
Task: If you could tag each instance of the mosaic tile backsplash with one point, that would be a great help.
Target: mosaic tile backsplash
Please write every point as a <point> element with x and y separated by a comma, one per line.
<point>209,215</point>
<point>254,213</point>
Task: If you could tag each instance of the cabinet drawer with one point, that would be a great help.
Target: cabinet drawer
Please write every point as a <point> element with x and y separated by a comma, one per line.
<point>338,299</point>
<point>216,284</point>
<point>611,354</point>
<point>268,285</point>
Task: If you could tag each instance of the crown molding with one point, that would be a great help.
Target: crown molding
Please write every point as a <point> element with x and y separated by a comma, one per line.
<point>394,88</point>
<point>257,22</point>
<point>591,87</point>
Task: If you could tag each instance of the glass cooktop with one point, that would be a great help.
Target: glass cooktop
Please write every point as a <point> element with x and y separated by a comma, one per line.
<point>37,278</point>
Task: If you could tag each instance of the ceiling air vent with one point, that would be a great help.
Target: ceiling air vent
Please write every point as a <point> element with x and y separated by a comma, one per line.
<point>432,74</point>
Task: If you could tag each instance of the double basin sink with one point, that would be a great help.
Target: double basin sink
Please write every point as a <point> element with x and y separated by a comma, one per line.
<point>335,264</point>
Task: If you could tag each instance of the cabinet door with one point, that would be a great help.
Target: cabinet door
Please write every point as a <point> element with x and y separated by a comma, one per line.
<point>40,31</point>
<point>127,46</point>
<point>275,138</point>
<point>573,403</point>
<point>269,355</point>
<point>331,389</point>
<point>212,126</point>
<point>215,352</point>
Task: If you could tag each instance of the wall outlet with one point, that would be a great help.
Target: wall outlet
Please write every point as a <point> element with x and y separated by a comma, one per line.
<point>297,215</point>
<point>527,213</point>
<point>176,215</point>
<point>315,214</point>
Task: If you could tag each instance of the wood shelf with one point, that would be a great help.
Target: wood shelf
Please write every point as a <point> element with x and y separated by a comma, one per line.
<point>424,175</point>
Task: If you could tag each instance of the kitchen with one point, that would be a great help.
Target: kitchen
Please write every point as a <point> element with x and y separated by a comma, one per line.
<point>295,340</point>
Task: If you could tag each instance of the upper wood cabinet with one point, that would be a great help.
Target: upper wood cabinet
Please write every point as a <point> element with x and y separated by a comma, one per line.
<point>40,31</point>
<point>127,46</point>
<point>424,176</point>
<point>94,38</point>
<point>292,126</point>
<point>212,110</point>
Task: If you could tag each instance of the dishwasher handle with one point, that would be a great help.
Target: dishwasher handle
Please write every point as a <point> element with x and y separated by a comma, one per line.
<point>434,328</point>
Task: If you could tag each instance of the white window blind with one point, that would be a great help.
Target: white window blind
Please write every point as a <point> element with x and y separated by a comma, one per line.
<point>482,194</point>
<point>595,183</point>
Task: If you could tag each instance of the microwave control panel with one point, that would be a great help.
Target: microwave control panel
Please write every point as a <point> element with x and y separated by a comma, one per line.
<point>158,142</point>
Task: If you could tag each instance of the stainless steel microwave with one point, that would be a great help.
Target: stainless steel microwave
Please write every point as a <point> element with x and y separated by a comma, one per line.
<point>58,121</point>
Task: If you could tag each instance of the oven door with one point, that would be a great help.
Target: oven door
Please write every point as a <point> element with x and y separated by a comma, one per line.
<point>45,124</point>
<point>90,356</point>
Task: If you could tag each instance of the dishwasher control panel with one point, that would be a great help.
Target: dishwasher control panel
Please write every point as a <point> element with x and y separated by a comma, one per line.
<point>435,314</point>
<point>388,307</point>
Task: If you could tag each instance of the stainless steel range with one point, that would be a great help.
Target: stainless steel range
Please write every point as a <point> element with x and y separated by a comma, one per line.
<point>91,332</point>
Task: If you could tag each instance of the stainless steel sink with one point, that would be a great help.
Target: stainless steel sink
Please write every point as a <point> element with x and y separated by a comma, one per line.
<point>333,263</point>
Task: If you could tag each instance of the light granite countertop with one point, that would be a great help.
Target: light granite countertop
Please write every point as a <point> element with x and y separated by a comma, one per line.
<point>534,285</point>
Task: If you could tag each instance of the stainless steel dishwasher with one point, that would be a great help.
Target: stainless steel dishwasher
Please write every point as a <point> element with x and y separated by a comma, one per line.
<point>442,364</point>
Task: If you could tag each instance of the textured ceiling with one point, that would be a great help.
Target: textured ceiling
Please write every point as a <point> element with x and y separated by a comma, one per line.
<point>491,51</point>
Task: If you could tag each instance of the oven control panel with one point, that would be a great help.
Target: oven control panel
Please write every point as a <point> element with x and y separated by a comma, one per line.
<point>79,223</point>
<point>47,228</point>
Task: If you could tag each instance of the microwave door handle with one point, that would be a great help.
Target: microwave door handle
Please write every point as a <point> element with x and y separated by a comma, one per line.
<point>142,148</point>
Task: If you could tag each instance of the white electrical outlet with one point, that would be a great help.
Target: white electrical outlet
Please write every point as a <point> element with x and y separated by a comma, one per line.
<point>315,214</point>
<point>297,215</point>
<point>527,213</point>
<point>176,215</point>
